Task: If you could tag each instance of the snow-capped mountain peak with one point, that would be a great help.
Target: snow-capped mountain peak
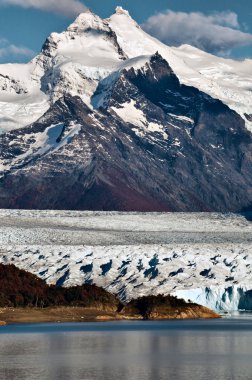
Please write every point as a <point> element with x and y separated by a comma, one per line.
<point>91,49</point>
<point>120,11</point>
<point>87,20</point>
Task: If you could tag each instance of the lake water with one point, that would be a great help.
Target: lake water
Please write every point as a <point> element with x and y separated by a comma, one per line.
<point>191,350</point>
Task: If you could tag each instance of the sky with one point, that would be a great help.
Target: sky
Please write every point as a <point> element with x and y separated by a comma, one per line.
<point>221,27</point>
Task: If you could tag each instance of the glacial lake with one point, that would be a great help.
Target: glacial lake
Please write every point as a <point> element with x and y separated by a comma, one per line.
<point>165,350</point>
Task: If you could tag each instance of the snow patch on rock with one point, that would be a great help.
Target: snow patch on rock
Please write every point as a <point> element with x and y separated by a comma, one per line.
<point>135,116</point>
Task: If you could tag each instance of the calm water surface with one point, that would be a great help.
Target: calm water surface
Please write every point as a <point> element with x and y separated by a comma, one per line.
<point>191,350</point>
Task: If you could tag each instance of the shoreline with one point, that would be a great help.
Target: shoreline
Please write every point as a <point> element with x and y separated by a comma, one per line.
<point>66,314</point>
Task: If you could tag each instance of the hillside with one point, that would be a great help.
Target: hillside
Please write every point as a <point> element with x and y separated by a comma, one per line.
<point>19,288</point>
<point>35,301</point>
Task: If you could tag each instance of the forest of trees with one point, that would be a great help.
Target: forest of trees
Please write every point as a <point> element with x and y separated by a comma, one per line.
<point>19,288</point>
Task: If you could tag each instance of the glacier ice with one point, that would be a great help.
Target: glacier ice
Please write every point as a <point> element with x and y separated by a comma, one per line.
<point>202,257</point>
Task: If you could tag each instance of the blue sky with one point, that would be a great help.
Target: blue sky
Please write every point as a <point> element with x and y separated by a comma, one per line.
<point>219,26</point>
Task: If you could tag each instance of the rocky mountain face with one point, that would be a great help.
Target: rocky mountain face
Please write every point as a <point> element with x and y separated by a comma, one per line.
<point>122,132</point>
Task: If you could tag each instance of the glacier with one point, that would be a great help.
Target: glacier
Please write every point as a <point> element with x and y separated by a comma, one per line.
<point>202,257</point>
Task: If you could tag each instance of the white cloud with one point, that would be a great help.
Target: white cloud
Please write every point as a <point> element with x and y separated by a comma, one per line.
<point>216,33</point>
<point>64,7</point>
<point>10,50</point>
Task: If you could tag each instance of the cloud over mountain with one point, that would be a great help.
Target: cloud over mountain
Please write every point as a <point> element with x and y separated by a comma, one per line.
<point>216,33</point>
<point>8,49</point>
<point>64,7</point>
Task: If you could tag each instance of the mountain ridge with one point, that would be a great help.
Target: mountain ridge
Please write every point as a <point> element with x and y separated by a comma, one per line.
<point>128,135</point>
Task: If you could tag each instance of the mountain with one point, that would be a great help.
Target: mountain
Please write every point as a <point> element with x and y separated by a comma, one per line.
<point>112,119</point>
